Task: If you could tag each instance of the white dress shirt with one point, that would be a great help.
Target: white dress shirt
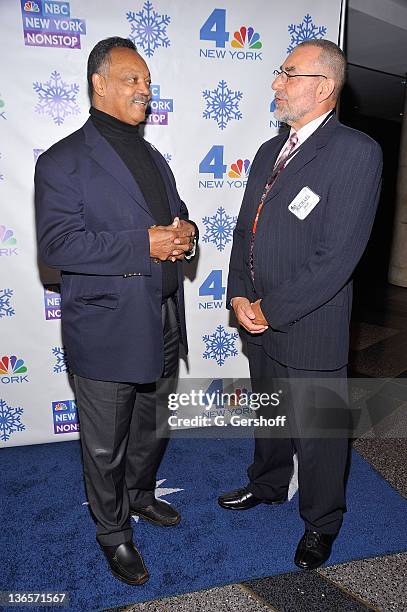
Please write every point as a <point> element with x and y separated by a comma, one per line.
<point>303,133</point>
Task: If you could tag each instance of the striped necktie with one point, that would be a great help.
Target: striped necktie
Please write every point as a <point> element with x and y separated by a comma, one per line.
<point>278,167</point>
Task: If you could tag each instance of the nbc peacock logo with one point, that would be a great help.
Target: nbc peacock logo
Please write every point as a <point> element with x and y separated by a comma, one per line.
<point>246,38</point>
<point>12,370</point>
<point>31,7</point>
<point>240,169</point>
<point>7,242</point>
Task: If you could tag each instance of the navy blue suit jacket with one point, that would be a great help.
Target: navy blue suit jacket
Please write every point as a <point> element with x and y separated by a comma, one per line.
<point>92,224</point>
<point>303,269</point>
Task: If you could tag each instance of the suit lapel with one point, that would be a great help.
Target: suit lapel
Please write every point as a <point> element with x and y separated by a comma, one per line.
<point>265,166</point>
<point>310,149</point>
<point>104,154</point>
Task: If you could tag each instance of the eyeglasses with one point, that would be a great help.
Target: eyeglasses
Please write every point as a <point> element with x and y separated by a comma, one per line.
<point>285,76</point>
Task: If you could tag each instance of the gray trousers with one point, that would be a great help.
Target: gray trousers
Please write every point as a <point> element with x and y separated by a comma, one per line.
<point>121,445</point>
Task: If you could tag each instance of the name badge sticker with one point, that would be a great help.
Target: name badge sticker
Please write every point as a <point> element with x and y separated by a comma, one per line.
<point>303,203</point>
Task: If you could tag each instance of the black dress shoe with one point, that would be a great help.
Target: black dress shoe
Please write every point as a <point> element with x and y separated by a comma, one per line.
<point>313,549</point>
<point>159,513</point>
<point>242,499</point>
<point>126,563</point>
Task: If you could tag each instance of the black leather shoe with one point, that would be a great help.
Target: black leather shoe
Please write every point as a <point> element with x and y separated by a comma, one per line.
<point>313,549</point>
<point>159,513</point>
<point>126,563</point>
<point>242,499</point>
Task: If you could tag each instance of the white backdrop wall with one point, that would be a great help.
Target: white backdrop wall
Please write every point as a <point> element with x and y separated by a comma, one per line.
<point>212,66</point>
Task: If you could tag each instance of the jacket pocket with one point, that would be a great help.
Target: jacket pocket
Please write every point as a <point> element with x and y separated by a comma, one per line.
<point>104,300</point>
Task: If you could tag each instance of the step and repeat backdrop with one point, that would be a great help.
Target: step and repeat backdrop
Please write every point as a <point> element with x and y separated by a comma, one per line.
<point>212,67</point>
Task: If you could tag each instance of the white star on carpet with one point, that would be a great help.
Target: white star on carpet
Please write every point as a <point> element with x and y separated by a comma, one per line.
<point>159,493</point>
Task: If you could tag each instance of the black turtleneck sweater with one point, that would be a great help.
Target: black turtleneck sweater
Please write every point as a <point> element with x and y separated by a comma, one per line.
<point>130,146</point>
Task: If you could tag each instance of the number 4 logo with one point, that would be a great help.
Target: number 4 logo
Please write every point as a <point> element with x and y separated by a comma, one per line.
<point>212,285</point>
<point>212,163</point>
<point>214,28</point>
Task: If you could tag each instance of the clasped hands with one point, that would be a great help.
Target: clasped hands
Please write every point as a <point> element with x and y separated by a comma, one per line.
<point>249,315</point>
<point>171,242</point>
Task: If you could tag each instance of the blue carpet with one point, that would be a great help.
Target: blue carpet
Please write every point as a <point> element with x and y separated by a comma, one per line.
<point>48,540</point>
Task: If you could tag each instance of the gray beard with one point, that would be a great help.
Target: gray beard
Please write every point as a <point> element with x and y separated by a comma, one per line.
<point>286,116</point>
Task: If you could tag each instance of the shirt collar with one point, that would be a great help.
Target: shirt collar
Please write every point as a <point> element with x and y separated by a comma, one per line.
<point>309,128</point>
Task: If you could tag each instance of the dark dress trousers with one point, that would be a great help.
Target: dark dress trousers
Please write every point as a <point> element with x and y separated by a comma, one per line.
<point>302,273</point>
<point>119,334</point>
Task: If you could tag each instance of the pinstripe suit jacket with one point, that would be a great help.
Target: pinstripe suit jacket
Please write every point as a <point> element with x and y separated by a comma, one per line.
<point>303,269</point>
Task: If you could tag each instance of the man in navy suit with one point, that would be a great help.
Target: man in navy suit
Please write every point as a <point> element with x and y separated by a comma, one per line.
<point>304,223</point>
<point>110,218</point>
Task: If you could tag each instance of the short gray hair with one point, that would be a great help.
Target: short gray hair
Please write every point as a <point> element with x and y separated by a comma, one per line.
<point>331,57</point>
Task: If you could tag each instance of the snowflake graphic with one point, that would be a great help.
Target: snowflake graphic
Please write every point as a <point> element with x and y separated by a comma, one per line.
<point>57,98</point>
<point>306,30</point>
<point>10,420</point>
<point>149,29</point>
<point>167,157</point>
<point>61,364</point>
<point>219,228</point>
<point>222,104</point>
<point>6,310</point>
<point>220,345</point>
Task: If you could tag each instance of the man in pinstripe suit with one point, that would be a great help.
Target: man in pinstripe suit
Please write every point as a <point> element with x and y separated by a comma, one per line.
<point>304,223</point>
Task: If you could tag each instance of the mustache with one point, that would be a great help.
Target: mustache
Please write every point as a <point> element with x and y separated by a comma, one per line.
<point>141,100</point>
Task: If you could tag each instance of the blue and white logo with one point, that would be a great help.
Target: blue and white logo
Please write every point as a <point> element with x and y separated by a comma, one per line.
<point>219,228</point>
<point>306,30</point>
<point>212,288</point>
<point>220,345</point>
<point>148,29</point>
<point>61,364</point>
<point>10,420</point>
<point>6,308</point>
<point>222,104</point>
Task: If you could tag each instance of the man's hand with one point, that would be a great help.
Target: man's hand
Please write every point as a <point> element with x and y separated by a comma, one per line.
<point>260,318</point>
<point>171,241</point>
<point>183,225</point>
<point>247,316</point>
